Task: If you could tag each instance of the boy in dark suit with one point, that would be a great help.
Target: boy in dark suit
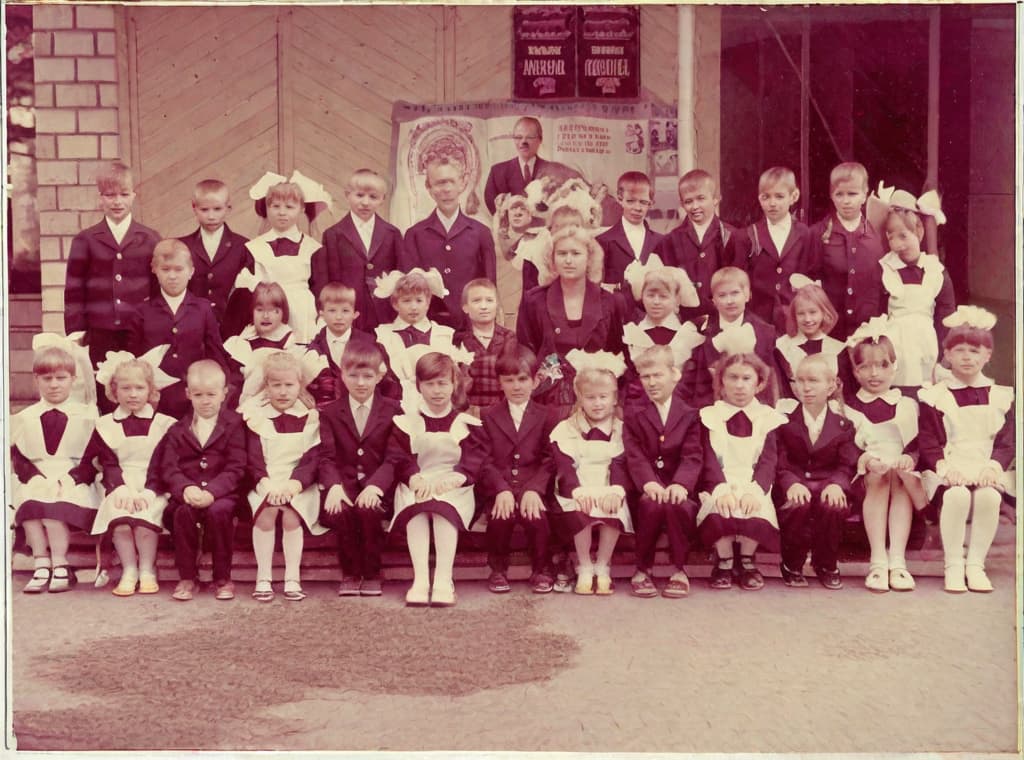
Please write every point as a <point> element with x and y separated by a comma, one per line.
<point>336,305</point>
<point>218,255</point>
<point>514,175</point>
<point>515,470</point>
<point>354,431</point>
<point>178,318</point>
<point>202,463</point>
<point>108,271</point>
<point>662,459</point>
<point>360,248</point>
<point>460,248</point>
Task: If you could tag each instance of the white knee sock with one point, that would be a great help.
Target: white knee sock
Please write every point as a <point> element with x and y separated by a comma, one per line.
<point>292,541</point>
<point>417,536</point>
<point>583,541</point>
<point>446,538</point>
<point>984,523</point>
<point>263,548</point>
<point>607,537</point>
<point>956,503</point>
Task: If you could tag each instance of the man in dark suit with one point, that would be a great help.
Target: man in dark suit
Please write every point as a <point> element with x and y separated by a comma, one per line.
<point>514,175</point>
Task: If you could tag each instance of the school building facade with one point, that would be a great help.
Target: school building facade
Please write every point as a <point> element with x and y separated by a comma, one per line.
<point>923,95</point>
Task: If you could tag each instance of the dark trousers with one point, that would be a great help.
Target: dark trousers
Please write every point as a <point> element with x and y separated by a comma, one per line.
<point>499,539</point>
<point>218,520</point>
<point>813,527</point>
<point>360,535</point>
<point>679,521</point>
<point>101,341</point>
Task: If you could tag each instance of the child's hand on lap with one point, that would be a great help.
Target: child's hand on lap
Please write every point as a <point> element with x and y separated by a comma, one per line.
<point>833,496</point>
<point>335,499</point>
<point>725,504</point>
<point>504,504</point>
<point>122,498</point>
<point>447,483</point>
<point>988,477</point>
<point>877,466</point>
<point>748,504</point>
<point>139,504</point>
<point>655,492</point>
<point>798,494</point>
<point>676,493</point>
<point>531,505</point>
<point>587,504</point>
<point>369,498</point>
<point>610,504</point>
<point>420,487</point>
<point>955,478</point>
<point>905,463</point>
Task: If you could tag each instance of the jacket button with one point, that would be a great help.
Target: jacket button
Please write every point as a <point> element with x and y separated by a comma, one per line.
<point>359,452</point>
<point>807,474</point>
<point>447,270</point>
<point>117,300</point>
<point>360,476</point>
<point>853,271</point>
<point>447,247</point>
<point>849,311</point>
<point>702,254</point>
<point>174,356</point>
<point>118,256</point>
<point>515,471</point>
<point>778,286</point>
<point>117,278</point>
<point>515,456</point>
<point>778,270</point>
<point>369,266</point>
<point>202,483</point>
<point>558,331</point>
<point>174,330</point>
<point>849,291</point>
<point>209,276</point>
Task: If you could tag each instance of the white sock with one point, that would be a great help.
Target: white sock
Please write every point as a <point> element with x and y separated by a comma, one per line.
<point>417,536</point>
<point>583,541</point>
<point>446,538</point>
<point>263,548</point>
<point>292,542</point>
<point>984,523</point>
<point>956,503</point>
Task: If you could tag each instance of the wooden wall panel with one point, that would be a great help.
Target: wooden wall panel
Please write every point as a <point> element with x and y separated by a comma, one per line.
<point>483,52</point>
<point>659,57</point>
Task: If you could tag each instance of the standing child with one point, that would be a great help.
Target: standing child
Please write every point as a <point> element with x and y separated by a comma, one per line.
<point>218,253</point>
<point>917,293</point>
<point>202,467</point>
<point>268,331</point>
<point>109,269</point>
<point>886,422</point>
<point>361,247</point>
<point>336,305</point>
<point>458,247</point>
<point>773,249</point>
<point>126,444</point>
<point>283,458</point>
<point>583,447</point>
<point>817,461</point>
<point>429,445</point>
<point>283,254</point>
<point>486,339</point>
<point>697,245</point>
<point>810,318</point>
<point>663,459</point>
<point>967,447</point>
<point>740,456</point>
<point>515,470</point>
<point>358,479</point>
<point>845,249</point>
<point>52,488</point>
<point>181,320</point>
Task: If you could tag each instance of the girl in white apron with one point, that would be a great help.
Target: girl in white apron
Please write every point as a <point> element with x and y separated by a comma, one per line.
<point>267,332</point>
<point>809,318</point>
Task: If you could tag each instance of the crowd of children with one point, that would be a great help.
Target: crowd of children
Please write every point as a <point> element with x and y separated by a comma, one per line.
<point>735,389</point>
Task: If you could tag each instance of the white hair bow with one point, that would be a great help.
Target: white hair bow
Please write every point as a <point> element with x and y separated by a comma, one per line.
<point>971,316</point>
<point>797,281</point>
<point>887,197</point>
<point>458,355</point>
<point>636,273</point>
<point>873,329</point>
<point>387,282</point>
<point>107,368</point>
<point>312,191</point>
<point>84,387</point>
<point>580,360</point>
<point>736,340</point>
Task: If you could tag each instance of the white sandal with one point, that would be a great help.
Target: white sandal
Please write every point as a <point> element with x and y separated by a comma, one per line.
<point>39,582</point>
<point>900,579</point>
<point>877,579</point>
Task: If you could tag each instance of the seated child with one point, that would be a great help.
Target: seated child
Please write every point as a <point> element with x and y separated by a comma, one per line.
<point>336,305</point>
<point>202,466</point>
<point>435,492</point>
<point>283,459</point>
<point>354,471</point>
<point>181,320</point>
<point>967,448</point>
<point>740,453</point>
<point>52,490</point>
<point>126,443</point>
<point>629,239</point>
<point>730,289</point>
<point>360,247</point>
<point>486,339</point>
<point>697,245</point>
<point>583,447</point>
<point>283,254</point>
<point>515,470</point>
<point>810,318</point>
<point>817,461</point>
<point>773,249</point>
<point>218,253</point>
<point>662,460</point>
<point>268,331</point>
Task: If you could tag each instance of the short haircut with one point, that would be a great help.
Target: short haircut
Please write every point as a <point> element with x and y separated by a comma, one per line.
<point>516,359</point>
<point>271,294</point>
<point>654,355</point>
<point>361,353</point>
<point>564,216</point>
<point>764,372</point>
<point>209,187</point>
<point>205,368</point>
<point>533,122</point>
<point>664,277</point>
<point>147,374</point>
<point>696,177</point>
<point>774,176</point>
<point>730,275</point>
<point>816,295</point>
<point>412,283</point>
<point>479,282</point>
<point>634,180</point>
<point>848,171</point>
<point>52,359</point>
<point>282,361</point>
<point>113,177</point>
<point>169,250</point>
<point>882,343</point>
<point>367,178</point>
<point>335,292</point>
<point>285,191</point>
<point>820,360</point>
<point>444,161</point>
<point>974,336</point>
<point>433,365</point>
<point>910,219</point>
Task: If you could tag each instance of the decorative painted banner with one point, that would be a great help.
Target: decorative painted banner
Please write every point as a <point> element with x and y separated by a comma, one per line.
<point>544,46</point>
<point>609,52</point>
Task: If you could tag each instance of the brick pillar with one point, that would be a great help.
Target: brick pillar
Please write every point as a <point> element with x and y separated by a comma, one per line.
<point>76,77</point>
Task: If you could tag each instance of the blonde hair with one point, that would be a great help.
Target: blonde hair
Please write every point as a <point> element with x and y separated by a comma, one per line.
<point>595,255</point>
<point>113,177</point>
<point>816,295</point>
<point>654,355</point>
<point>694,178</point>
<point>589,376</point>
<point>170,250</point>
<point>775,176</point>
<point>730,274</point>
<point>367,178</point>
<point>848,171</point>
<point>283,361</point>
<point>147,373</point>
<point>820,360</point>
<point>285,191</point>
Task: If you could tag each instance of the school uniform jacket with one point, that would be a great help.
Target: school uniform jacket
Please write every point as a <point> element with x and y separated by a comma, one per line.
<point>753,250</point>
<point>105,281</point>
<point>215,280</point>
<point>830,459</point>
<point>218,466</point>
<point>544,328</point>
<point>355,461</point>
<point>464,253</point>
<point>507,177</point>
<point>506,459</point>
<point>680,248</point>
<point>343,258</point>
<point>618,253</point>
<point>665,454</point>
<point>846,264</point>
<point>327,385</point>
<point>191,332</point>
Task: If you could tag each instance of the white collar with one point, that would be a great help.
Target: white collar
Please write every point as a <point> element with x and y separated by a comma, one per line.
<point>847,225</point>
<point>332,338</point>
<point>726,324</point>
<point>203,422</point>
<point>637,229</point>
<point>891,396</point>
<point>731,411</point>
<point>810,420</point>
<point>400,324</point>
<point>353,404</point>
<point>447,221</point>
<point>145,413</point>
<point>531,162</point>
<point>980,381</point>
<point>119,229</point>
<point>173,301</point>
<point>212,237</point>
<point>664,408</point>
<point>785,223</point>
<point>518,410</point>
<point>279,332</point>
<point>46,406</point>
<point>893,260</point>
<point>298,409</point>
<point>361,225</point>
<point>671,321</point>
<point>425,411</point>
<point>291,233</point>
<point>799,339</point>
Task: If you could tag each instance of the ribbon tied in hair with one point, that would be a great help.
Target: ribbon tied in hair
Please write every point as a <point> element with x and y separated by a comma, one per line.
<point>580,360</point>
<point>106,369</point>
<point>636,273</point>
<point>387,282</point>
<point>873,329</point>
<point>971,316</point>
<point>735,340</point>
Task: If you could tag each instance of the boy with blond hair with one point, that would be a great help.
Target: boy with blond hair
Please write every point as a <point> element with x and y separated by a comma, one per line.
<point>336,306</point>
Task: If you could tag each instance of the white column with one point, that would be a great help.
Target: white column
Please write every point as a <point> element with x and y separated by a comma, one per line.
<point>686,106</point>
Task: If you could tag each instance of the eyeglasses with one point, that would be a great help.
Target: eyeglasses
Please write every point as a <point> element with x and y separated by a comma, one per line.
<point>517,138</point>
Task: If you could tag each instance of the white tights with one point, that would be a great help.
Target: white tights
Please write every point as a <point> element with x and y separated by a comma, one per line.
<point>956,505</point>
<point>292,541</point>
<point>446,539</point>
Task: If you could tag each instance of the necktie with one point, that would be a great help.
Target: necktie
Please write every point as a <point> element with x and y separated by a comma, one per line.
<point>739,425</point>
<point>361,414</point>
<point>54,422</point>
<point>527,174</point>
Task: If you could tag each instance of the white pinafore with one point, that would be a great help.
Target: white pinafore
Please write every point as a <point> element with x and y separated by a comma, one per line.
<point>912,315</point>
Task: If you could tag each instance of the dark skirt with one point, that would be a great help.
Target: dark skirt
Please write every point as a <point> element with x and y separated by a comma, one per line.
<point>73,515</point>
<point>716,526</point>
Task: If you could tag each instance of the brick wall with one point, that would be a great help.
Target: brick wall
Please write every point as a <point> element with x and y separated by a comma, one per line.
<point>76,78</point>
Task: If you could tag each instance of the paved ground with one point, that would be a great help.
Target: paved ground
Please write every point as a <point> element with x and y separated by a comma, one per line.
<point>775,671</point>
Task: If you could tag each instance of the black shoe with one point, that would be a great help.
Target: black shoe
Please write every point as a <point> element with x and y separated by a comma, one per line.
<point>792,579</point>
<point>721,577</point>
<point>750,578</point>
<point>497,583</point>
<point>830,579</point>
